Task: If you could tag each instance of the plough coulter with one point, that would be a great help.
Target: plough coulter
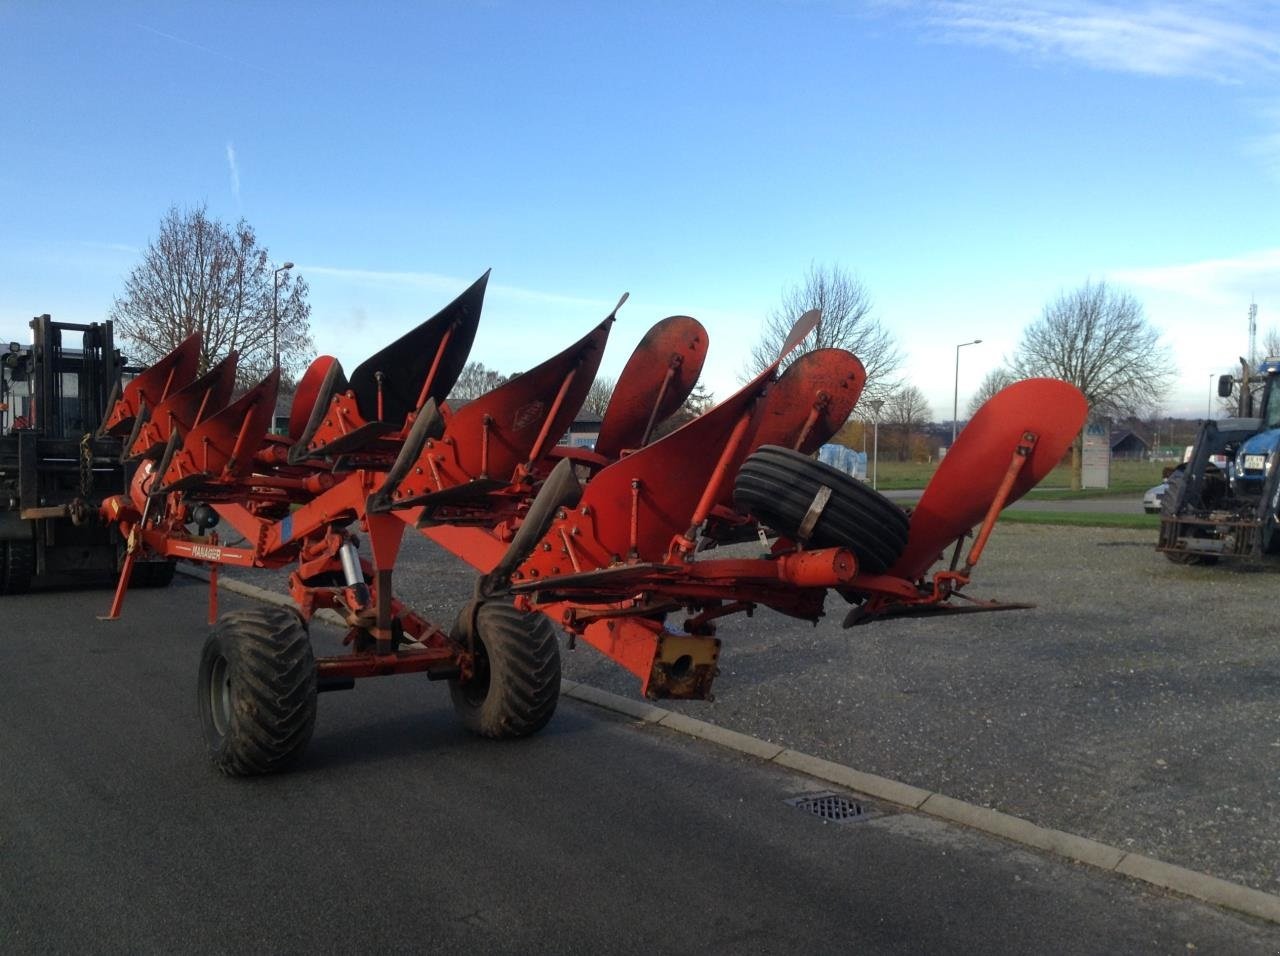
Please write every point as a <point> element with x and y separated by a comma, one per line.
<point>615,544</point>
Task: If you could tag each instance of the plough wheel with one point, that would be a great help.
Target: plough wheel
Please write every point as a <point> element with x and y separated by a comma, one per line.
<point>776,486</point>
<point>1172,492</point>
<point>517,680</point>
<point>17,564</point>
<point>257,691</point>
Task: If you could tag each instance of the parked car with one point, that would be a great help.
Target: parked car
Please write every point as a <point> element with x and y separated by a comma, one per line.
<point>1151,500</point>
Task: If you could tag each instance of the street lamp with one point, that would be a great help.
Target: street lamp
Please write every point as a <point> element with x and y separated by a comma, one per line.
<point>275,307</point>
<point>876,404</point>
<point>1209,412</point>
<point>955,400</point>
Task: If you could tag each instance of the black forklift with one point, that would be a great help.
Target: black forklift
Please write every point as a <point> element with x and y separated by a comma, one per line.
<point>55,469</point>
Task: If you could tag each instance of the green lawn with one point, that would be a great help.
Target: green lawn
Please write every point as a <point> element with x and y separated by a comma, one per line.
<point>1127,477</point>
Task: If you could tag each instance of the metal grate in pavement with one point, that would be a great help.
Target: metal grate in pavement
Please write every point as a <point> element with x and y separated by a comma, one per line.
<point>831,807</point>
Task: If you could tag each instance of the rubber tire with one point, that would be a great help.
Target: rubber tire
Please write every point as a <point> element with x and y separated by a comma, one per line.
<point>517,681</point>
<point>776,486</point>
<point>17,565</point>
<point>263,659</point>
<point>153,574</point>
<point>1175,480</point>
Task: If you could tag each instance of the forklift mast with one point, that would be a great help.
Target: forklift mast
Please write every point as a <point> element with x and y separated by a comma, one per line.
<point>72,386</point>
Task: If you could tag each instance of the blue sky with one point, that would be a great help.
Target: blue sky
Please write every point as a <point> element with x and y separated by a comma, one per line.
<point>968,160</point>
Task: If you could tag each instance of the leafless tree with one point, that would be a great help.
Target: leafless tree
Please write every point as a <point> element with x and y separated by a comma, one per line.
<point>474,381</point>
<point>1270,343</point>
<point>199,274</point>
<point>905,410</point>
<point>700,400</point>
<point>598,397</point>
<point>1098,339</point>
<point>846,323</point>
<point>998,378</point>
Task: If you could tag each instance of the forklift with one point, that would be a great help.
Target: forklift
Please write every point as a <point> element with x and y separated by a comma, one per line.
<point>55,467</point>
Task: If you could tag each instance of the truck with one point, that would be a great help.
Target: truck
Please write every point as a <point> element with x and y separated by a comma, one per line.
<point>1224,501</point>
<point>55,466</point>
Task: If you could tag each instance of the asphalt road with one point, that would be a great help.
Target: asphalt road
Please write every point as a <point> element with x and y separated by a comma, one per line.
<point>401,833</point>
<point>1137,704</point>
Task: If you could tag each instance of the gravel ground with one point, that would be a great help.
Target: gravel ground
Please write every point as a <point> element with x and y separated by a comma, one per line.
<point>1138,704</point>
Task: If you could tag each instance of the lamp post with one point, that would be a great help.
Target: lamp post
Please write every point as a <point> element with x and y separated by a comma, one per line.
<point>955,400</point>
<point>1209,412</point>
<point>275,308</point>
<point>876,404</point>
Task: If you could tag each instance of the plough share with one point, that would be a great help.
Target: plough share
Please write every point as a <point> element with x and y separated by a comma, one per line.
<point>613,544</point>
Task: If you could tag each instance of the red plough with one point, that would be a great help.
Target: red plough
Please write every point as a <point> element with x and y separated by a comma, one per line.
<point>614,544</point>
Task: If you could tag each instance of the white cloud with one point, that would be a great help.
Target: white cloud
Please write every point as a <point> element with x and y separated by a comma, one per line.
<point>1214,282</point>
<point>235,171</point>
<point>1216,40</point>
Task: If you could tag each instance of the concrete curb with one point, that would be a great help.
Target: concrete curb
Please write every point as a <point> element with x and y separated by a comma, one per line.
<point>1177,879</point>
<point>1200,886</point>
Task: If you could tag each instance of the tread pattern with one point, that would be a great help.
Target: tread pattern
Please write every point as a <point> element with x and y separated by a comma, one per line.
<point>518,686</point>
<point>17,565</point>
<point>776,486</point>
<point>271,672</point>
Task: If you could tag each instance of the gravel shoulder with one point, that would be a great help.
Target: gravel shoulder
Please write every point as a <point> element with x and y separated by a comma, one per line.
<point>1138,704</point>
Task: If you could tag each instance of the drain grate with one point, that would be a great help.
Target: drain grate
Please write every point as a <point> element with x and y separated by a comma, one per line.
<point>831,807</point>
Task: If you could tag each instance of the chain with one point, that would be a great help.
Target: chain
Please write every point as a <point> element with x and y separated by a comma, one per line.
<point>86,465</point>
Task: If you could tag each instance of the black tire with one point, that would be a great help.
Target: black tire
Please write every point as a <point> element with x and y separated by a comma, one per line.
<point>517,681</point>
<point>257,691</point>
<point>17,565</point>
<point>1168,510</point>
<point>776,486</point>
<point>153,574</point>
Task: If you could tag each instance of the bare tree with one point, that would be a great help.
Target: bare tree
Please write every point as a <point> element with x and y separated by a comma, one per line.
<point>846,323</point>
<point>199,274</point>
<point>598,397</point>
<point>906,409</point>
<point>1271,343</point>
<point>474,381</point>
<point>995,380</point>
<point>700,400</point>
<point>1097,338</point>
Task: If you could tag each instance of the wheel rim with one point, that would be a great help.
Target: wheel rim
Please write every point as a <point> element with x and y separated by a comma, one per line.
<point>220,696</point>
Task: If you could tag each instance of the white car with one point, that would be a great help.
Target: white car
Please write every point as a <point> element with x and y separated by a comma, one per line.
<point>1151,500</point>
